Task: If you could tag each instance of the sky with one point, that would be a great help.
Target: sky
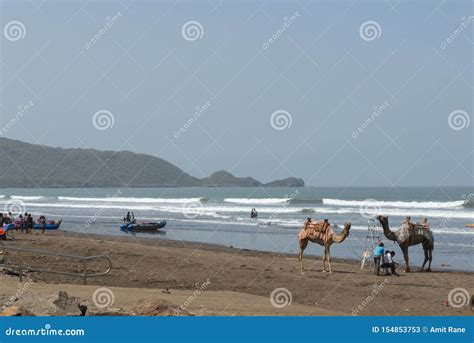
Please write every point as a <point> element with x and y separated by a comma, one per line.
<point>339,93</point>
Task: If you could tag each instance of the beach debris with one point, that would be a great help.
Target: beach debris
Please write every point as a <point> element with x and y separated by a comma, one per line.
<point>14,311</point>
<point>57,304</point>
<point>166,291</point>
<point>157,307</point>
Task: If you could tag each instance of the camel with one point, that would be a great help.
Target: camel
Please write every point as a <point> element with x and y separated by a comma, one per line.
<point>406,236</point>
<point>320,233</point>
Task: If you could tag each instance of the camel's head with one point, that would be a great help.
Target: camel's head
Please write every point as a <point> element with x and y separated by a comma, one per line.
<point>382,219</point>
<point>347,226</point>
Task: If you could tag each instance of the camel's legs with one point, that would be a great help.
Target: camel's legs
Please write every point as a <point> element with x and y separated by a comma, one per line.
<point>303,245</point>
<point>405,256</point>
<point>324,259</point>
<point>430,259</point>
<point>328,254</point>
<point>425,260</point>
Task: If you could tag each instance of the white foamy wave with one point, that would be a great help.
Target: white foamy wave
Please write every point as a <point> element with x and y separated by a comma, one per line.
<point>2,196</point>
<point>135,200</point>
<point>26,197</point>
<point>448,214</point>
<point>258,201</point>
<point>398,204</point>
<point>233,209</point>
<point>91,206</point>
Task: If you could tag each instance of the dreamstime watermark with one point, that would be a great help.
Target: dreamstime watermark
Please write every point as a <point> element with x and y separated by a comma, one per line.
<point>192,30</point>
<point>369,208</point>
<point>199,111</point>
<point>458,297</point>
<point>371,297</point>
<point>281,297</point>
<point>21,110</point>
<point>14,30</point>
<point>199,288</point>
<point>192,209</point>
<point>376,112</point>
<point>14,206</point>
<point>18,294</point>
<point>109,22</point>
<point>452,37</point>
<point>101,210</point>
<point>459,120</point>
<point>103,297</point>
<point>103,120</point>
<point>281,120</point>
<point>287,22</point>
<point>370,30</point>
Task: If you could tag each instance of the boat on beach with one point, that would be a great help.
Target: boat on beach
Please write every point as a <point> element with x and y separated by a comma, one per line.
<point>50,225</point>
<point>143,227</point>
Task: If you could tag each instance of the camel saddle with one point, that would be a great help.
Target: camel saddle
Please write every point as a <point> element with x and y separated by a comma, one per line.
<point>321,229</point>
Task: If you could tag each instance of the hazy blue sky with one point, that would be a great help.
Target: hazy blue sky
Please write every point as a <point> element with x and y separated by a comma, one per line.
<point>323,69</point>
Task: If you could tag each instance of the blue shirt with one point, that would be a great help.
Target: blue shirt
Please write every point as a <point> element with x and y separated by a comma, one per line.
<point>378,251</point>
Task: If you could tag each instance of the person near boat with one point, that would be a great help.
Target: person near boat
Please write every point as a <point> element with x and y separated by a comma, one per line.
<point>42,222</point>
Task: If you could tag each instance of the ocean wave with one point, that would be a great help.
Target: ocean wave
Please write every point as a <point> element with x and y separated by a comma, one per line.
<point>135,200</point>
<point>27,197</point>
<point>91,206</point>
<point>258,201</point>
<point>398,204</point>
<point>447,214</point>
<point>435,230</point>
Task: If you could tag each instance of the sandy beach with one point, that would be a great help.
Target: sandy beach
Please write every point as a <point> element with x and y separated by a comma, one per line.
<point>238,282</point>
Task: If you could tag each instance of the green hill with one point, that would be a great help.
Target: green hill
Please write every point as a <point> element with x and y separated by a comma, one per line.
<point>27,165</point>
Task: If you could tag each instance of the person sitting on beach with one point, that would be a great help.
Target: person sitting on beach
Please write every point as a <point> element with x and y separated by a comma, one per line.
<point>128,218</point>
<point>378,253</point>
<point>389,263</point>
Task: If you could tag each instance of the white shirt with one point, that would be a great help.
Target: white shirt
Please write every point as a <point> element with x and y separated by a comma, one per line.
<point>387,258</point>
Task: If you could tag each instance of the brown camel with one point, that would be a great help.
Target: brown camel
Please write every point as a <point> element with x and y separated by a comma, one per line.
<point>408,235</point>
<point>320,233</point>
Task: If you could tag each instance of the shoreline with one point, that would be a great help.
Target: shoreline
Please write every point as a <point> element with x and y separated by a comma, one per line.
<point>153,265</point>
<point>307,255</point>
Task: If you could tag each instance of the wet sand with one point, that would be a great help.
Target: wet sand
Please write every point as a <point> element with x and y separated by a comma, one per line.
<point>152,265</point>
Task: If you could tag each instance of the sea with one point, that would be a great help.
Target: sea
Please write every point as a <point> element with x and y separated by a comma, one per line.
<point>222,216</point>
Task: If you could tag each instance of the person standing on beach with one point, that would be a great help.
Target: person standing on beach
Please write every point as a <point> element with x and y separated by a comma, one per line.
<point>378,254</point>
<point>29,224</point>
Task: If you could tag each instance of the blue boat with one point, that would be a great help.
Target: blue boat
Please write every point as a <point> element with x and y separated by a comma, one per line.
<point>49,226</point>
<point>143,227</point>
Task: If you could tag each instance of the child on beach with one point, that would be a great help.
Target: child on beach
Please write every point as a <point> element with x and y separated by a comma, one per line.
<point>378,253</point>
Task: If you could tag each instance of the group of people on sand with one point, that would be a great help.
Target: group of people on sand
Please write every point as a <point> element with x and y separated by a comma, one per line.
<point>384,259</point>
<point>24,223</point>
